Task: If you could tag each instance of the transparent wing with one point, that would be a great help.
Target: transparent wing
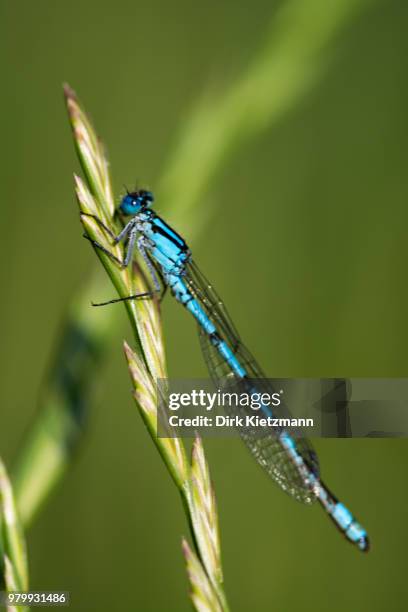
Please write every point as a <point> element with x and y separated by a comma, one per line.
<point>265,448</point>
<point>205,293</point>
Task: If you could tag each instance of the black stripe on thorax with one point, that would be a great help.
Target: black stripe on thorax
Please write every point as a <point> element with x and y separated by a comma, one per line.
<point>171,235</point>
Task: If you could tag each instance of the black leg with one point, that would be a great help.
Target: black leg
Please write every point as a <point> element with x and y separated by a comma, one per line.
<point>130,229</point>
<point>154,268</point>
<point>101,224</point>
<point>139,296</point>
<point>163,293</point>
<point>102,248</point>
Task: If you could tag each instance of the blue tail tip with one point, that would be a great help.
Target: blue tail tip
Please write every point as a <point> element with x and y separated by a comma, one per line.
<point>364,544</point>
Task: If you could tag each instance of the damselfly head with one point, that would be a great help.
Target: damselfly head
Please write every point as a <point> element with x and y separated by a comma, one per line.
<point>135,202</point>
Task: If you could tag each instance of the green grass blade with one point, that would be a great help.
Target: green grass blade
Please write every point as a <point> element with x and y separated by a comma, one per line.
<point>12,543</point>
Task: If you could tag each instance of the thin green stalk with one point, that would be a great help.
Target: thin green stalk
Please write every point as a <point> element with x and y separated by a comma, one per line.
<point>147,364</point>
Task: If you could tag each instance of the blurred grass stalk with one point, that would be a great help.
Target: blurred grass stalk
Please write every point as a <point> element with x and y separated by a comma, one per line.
<point>291,59</point>
<point>64,400</point>
<point>13,559</point>
<point>288,63</point>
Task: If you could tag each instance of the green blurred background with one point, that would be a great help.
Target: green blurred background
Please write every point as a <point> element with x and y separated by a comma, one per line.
<point>306,242</point>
